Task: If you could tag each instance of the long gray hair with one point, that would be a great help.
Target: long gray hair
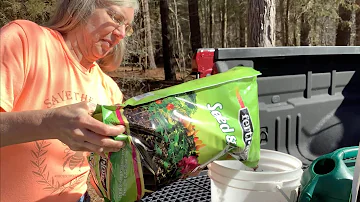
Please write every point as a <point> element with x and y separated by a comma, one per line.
<point>71,13</point>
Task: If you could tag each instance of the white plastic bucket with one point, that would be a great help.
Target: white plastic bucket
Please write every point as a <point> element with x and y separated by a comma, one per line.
<point>277,179</point>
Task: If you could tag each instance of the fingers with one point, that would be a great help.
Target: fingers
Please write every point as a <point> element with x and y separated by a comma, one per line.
<point>82,132</point>
<point>89,147</point>
<point>98,126</point>
<point>108,144</point>
<point>93,148</point>
<point>102,128</point>
<point>96,149</point>
<point>91,107</point>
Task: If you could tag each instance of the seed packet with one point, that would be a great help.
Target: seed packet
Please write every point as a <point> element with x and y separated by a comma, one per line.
<point>174,132</point>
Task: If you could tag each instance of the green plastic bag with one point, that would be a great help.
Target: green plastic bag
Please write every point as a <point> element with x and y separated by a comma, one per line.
<point>173,132</point>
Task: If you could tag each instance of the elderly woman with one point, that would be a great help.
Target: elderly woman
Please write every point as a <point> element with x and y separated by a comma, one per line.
<point>50,83</point>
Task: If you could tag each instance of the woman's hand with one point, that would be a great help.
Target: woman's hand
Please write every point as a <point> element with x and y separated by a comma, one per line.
<point>74,126</point>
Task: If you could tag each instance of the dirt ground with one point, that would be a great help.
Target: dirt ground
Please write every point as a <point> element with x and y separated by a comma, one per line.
<point>134,81</point>
<point>155,74</point>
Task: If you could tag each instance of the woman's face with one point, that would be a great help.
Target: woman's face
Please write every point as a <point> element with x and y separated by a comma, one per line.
<point>103,30</point>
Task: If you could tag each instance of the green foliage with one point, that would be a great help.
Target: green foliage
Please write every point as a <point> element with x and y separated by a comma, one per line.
<point>34,10</point>
<point>321,14</point>
<point>9,10</point>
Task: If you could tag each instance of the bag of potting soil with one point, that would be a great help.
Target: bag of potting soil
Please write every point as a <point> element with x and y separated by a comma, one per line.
<point>173,132</point>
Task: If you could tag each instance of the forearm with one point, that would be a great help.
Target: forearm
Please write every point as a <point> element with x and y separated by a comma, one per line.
<point>21,127</point>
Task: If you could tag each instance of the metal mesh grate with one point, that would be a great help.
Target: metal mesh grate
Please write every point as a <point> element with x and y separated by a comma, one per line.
<point>195,189</point>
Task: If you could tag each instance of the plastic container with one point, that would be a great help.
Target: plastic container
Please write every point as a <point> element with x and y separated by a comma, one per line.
<point>329,177</point>
<point>276,179</point>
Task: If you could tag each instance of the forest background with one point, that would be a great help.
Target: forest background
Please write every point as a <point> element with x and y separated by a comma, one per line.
<point>168,32</point>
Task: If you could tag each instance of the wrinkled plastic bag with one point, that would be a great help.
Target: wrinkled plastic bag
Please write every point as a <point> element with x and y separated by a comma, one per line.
<point>173,132</point>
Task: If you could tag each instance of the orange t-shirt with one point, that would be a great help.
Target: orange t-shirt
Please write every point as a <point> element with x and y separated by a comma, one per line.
<point>39,72</point>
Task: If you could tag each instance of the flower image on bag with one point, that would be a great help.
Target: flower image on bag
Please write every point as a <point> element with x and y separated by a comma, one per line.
<point>173,132</point>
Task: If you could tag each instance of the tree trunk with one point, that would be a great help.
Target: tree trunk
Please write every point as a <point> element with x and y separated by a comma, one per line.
<point>201,14</point>
<point>315,40</point>
<point>194,25</point>
<point>224,24</point>
<point>256,9</point>
<point>206,25</point>
<point>242,33</point>
<point>261,21</point>
<point>142,59</point>
<point>150,49</point>
<point>180,59</point>
<point>357,23</point>
<point>295,32</point>
<point>270,23</point>
<point>211,20</point>
<point>282,21</point>
<point>286,26</point>
<point>218,21</point>
<point>305,28</point>
<point>344,28</point>
<point>166,42</point>
<point>242,28</point>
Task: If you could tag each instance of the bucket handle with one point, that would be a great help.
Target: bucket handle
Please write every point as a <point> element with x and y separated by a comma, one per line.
<point>292,198</point>
<point>307,192</point>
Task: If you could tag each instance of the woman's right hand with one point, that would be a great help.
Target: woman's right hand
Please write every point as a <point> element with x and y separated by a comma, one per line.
<point>74,126</point>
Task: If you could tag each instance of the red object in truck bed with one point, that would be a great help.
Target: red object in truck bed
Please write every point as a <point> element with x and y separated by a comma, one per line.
<point>203,62</point>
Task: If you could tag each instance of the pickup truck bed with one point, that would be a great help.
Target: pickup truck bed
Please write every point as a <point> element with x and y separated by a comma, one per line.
<point>309,97</point>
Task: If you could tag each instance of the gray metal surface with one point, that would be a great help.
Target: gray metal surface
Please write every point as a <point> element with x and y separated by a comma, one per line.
<point>236,53</point>
<point>195,189</point>
<point>308,96</point>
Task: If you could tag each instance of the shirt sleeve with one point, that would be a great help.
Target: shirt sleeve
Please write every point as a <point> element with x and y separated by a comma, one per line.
<point>13,48</point>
